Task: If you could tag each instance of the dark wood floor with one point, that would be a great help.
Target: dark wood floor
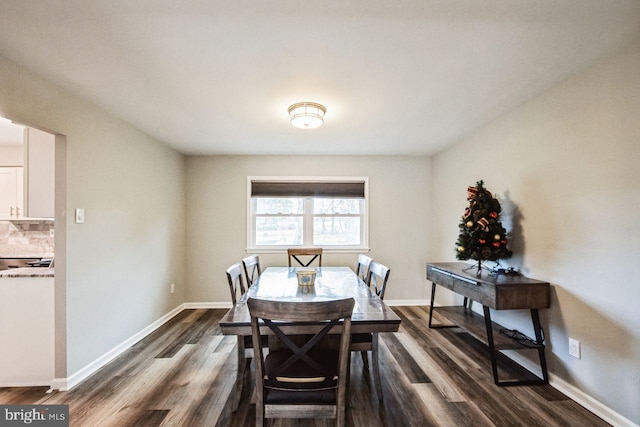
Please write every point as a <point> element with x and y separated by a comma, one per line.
<point>182,375</point>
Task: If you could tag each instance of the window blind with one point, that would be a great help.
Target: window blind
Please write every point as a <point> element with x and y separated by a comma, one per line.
<point>307,189</point>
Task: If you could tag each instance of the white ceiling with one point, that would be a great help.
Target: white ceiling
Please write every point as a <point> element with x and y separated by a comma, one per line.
<point>397,77</point>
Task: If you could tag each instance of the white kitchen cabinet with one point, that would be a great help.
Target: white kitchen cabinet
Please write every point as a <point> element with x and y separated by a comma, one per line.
<point>27,356</point>
<point>11,193</point>
<point>39,174</point>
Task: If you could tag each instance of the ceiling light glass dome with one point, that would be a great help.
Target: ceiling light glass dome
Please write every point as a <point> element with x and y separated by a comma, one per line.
<point>307,115</point>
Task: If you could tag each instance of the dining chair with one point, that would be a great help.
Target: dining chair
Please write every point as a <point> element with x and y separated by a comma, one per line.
<point>363,266</point>
<point>236,279</point>
<point>252,269</point>
<point>298,380</point>
<point>314,253</point>
<point>377,279</point>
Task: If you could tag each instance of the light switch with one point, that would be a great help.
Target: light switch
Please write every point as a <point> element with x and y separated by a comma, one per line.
<point>79,216</point>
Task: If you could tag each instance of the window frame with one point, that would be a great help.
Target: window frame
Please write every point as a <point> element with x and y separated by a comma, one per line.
<point>308,216</point>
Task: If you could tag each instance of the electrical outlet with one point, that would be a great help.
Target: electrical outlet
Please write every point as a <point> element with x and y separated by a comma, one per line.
<point>172,288</point>
<point>574,348</point>
<point>52,232</point>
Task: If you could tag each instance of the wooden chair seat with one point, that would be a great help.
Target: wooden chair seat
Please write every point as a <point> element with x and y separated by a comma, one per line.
<point>356,339</point>
<point>300,375</point>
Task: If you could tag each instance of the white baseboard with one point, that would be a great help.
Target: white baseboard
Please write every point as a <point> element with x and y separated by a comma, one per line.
<point>407,302</point>
<point>198,305</point>
<point>579,396</point>
<point>65,384</point>
<point>59,384</point>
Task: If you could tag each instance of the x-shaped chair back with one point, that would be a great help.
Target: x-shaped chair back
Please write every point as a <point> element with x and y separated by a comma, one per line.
<point>363,267</point>
<point>378,277</point>
<point>313,253</point>
<point>235,277</point>
<point>287,319</point>
<point>252,269</point>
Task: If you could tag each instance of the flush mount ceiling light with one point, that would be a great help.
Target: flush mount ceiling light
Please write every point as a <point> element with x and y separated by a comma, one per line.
<point>307,115</point>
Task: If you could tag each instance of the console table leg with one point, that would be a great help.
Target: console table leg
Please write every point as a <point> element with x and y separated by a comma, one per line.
<point>492,349</point>
<point>433,296</point>
<point>538,331</point>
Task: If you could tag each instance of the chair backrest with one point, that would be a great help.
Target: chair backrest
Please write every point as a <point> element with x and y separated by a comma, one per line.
<point>314,253</point>
<point>363,267</point>
<point>252,269</point>
<point>235,277</point>
<point>378,277</point>
<point>301,368</point>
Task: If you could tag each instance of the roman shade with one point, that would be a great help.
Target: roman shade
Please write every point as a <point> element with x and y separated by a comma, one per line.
<point>335,189</point>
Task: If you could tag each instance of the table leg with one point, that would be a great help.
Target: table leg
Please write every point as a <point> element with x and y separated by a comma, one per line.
<point>492,348</point>
<point>376,365</point>
<point>433,296</point>
<point>538,331</point>
<point>240,374</point>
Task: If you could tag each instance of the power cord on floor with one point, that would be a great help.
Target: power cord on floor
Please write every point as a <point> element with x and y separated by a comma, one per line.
<point>521,338</point>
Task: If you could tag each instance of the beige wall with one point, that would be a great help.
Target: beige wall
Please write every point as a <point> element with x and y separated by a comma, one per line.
<point>120,263</point>
<point>217,217</point>
<point>566,167</point>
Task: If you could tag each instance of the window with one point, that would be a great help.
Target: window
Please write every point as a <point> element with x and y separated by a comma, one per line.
<point>325,212</point>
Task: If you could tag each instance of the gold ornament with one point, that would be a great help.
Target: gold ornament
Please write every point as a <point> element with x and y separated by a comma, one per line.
<point>496,237</point>
<point>469,224</point>
<point>460,248</point>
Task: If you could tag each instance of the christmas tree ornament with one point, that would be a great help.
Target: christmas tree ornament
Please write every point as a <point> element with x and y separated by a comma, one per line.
<point>485,209</point>
<point>472,192</point>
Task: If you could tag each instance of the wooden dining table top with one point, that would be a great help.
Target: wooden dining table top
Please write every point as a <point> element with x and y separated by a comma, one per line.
<point>370,313</point>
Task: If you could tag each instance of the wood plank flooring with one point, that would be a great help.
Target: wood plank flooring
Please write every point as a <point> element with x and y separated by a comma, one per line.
<point>183,375</point>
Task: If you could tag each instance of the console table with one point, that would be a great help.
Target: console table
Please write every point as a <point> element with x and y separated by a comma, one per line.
<point>499,292</point>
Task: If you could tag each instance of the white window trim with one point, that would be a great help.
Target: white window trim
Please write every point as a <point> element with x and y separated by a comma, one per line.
<point>364,245</point>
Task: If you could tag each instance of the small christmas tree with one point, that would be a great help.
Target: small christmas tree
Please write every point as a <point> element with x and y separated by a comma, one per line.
<point>482,236</point>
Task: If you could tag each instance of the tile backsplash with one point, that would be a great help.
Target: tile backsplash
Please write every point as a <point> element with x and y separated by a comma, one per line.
<point>26,238</point>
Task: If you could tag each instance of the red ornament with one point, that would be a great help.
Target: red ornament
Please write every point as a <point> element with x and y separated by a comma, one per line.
<point>482,241</point>
<point>496,244</point>
<point>493,215</point>
<point>504,242</point>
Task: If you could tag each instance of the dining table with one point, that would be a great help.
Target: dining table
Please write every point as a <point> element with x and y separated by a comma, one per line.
<point>370,313</point>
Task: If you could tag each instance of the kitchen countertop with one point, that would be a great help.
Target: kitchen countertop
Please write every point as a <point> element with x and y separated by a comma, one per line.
<point>28,272</point>
<point>20,255</point>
